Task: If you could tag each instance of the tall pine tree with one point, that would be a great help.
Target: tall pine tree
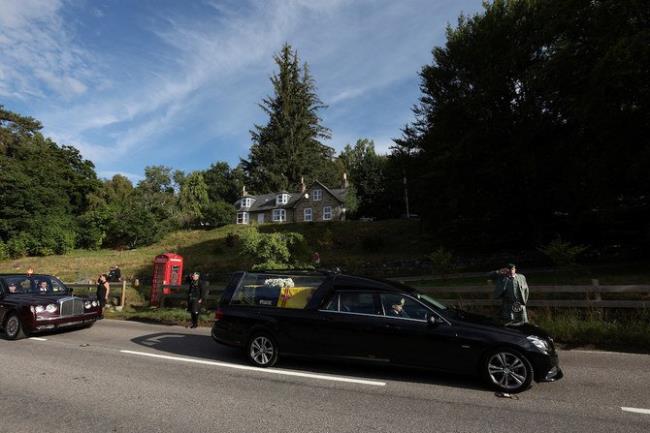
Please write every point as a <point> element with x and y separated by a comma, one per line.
<point>289,146</point>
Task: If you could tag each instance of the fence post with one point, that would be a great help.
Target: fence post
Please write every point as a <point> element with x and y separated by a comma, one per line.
<point>123,294</point>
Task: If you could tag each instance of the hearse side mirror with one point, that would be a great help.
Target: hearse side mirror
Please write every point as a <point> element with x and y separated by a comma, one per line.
<point>432,320</point>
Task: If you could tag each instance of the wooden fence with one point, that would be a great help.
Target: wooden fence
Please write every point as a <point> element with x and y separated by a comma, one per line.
<point>590,295</point>
<point>117,293</point>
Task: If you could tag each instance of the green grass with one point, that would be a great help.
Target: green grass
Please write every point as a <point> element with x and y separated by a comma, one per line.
<point>629,333</point>
<point>207,251</point>
<point>167,316</point>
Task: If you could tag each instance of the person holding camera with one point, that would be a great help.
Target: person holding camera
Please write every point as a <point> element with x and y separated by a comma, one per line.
<point>512,289</point>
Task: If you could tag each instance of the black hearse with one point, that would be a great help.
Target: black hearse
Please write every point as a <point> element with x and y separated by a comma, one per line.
<point>329,315</point>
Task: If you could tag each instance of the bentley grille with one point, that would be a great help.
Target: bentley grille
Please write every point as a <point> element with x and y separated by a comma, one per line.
<point>72,307</point>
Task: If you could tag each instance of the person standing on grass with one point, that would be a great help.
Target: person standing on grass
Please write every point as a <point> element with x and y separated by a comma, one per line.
<point>103,290</point>
<point>512,289</point>
<point>195,297</point>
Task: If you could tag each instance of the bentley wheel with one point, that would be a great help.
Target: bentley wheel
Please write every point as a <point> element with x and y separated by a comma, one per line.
<point>508,371</point>
<point>262,350</point>
<point>13,328</point>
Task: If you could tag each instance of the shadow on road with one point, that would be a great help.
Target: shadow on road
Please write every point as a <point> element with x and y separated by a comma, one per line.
<point>204,347</point>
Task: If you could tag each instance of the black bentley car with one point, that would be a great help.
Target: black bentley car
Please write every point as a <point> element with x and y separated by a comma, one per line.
<point>31,303</point>
<point>329,315</point>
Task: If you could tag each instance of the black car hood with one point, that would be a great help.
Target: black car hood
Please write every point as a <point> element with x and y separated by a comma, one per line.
<point>521,329</point>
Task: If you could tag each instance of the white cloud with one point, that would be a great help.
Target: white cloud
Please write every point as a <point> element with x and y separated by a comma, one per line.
<point>208,72</point>
<point>38,51</point>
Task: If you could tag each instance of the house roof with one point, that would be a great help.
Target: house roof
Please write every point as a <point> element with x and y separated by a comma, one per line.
<point>267,201</point>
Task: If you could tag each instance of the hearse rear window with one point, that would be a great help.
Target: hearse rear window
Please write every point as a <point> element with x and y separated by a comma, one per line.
<point>279,290</point>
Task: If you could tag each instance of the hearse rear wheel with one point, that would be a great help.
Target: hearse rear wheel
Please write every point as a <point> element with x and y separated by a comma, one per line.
<point>262,350</point>
<point>13,328</point>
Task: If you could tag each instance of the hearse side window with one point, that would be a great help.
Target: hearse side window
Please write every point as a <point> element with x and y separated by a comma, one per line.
<point>397,305</point>
<point>358,302</point>
<point>276,290</point>
<point>333,303</point>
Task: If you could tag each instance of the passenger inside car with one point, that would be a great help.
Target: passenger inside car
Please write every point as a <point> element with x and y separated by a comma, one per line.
<point>12,288</point>
<point>42,286</point>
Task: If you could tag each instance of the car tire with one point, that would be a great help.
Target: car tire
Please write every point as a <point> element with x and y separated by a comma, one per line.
<point>14,328</point>
<point>507,370</point>
<point>262,350</point>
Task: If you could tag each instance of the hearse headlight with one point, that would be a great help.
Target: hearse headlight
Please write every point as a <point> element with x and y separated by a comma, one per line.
<point>39,309</point>
<point>94,303</point>
<point>87,305</point>
<point>539,343</point>
<point>51,308</point>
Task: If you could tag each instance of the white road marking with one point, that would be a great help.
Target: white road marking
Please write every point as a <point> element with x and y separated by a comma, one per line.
<point>261,370</point>
<point>38,338</point>
<point>636,410</point>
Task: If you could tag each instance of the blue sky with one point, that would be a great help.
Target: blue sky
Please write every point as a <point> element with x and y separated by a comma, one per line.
<point>133,83</point>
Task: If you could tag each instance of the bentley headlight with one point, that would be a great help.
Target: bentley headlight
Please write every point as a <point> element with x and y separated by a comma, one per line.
<point>539,343</point>
<point>51,308</point>
<point>39,309</point>
<point>87,305</point>
<point>94,303</point>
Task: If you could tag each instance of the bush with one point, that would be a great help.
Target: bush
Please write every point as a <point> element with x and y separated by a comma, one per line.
<point>17,246</point>
<point>4,251</point>
<point>442,261</point>
<point>273,250</point>
<point>219,213</point>
<point>562,253</point>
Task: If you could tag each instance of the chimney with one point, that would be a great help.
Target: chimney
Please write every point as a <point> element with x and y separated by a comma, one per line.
<point>303,187</point>
<point>345,180</point>
<point>243,191</point>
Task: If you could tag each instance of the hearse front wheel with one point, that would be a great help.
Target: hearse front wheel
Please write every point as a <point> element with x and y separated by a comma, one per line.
<point>262,351</point>
<point>13,328</point>
<point>507,370</point>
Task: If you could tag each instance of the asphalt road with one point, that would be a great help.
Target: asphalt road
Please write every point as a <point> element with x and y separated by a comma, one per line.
<point>104,379</point>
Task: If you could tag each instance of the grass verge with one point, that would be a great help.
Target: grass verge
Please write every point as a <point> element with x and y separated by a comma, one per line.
<point>164,316</point>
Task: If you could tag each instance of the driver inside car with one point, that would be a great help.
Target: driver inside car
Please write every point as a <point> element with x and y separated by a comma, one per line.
<point>397,309</point>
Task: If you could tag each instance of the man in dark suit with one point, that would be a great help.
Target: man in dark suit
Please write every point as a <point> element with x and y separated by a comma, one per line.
<point>195,298</point>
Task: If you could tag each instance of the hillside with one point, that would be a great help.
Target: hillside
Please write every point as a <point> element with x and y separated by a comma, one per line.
<point>379,247</point>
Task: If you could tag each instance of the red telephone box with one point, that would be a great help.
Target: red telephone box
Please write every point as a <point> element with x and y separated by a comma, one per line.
<point>167,271</point>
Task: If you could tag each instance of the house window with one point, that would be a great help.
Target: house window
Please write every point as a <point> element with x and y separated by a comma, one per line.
<point>327,213</point>
<point>307,214</point>
<point>242,217</point>
<point>260,218</point>
<point>281,199</point>
<point>279,215</point>
<point>318,195</point>
<point>246,203</point>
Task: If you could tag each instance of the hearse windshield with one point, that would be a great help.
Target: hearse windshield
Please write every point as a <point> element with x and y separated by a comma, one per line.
<point>426,299</point>
<point>37,284</point>
<point>276,290</point>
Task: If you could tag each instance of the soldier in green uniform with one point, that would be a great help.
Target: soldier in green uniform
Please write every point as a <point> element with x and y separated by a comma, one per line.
<point>512,289</point>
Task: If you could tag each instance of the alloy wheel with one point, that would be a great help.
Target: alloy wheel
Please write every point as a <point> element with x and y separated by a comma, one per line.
<point>508,371</point>
<point>262,350</point>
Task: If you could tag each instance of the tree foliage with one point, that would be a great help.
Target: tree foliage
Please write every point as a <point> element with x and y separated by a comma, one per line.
<point>534,120</point>
<point>289,145</point>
